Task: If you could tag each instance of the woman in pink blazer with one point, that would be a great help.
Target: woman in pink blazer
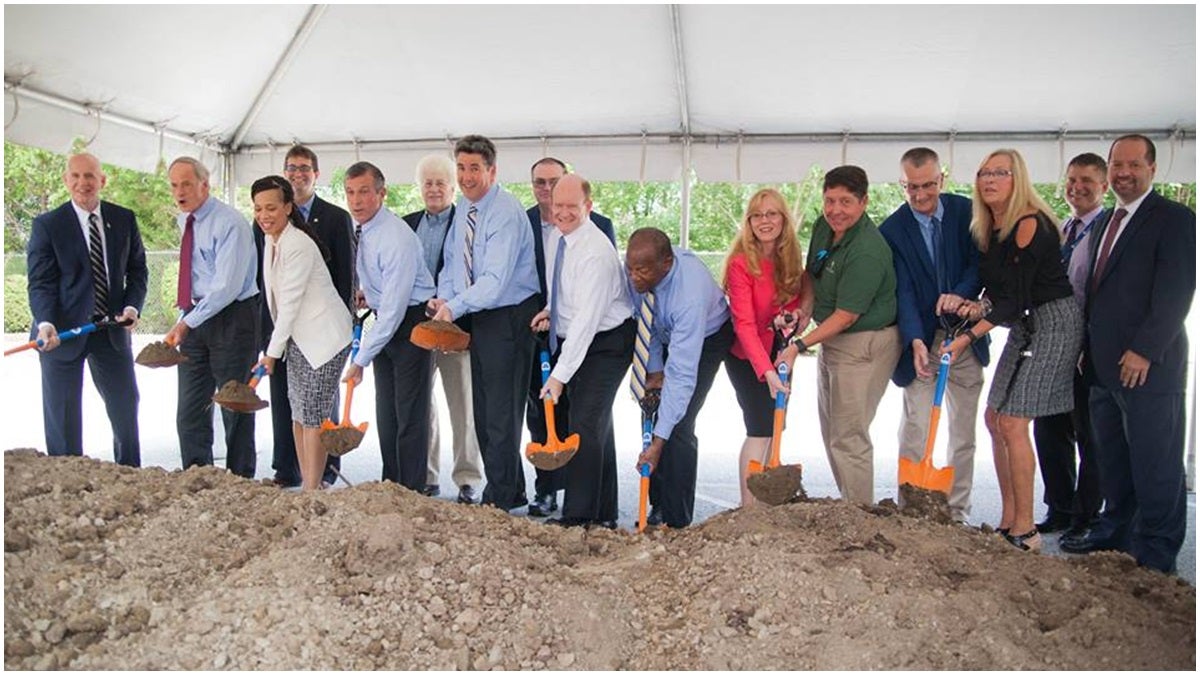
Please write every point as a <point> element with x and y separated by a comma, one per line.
<point>312,324</point>
<point>764,280</point>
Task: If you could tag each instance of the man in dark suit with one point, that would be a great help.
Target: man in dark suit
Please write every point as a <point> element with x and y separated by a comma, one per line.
<point>435,179</point>
<point>937,266</point>
<point>86,262</point>
<point>332,225</point>
<point>1139,292</point>
<point>544,175</point>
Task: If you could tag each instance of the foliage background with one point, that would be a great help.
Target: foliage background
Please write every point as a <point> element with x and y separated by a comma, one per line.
<point>33,184</point>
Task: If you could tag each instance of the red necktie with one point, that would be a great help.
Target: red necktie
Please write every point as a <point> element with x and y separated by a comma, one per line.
<point>183,296</point>
<point>1109,237</point>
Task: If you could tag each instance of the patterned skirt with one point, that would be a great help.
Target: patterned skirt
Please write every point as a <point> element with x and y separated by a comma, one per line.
<point>311,391</point>
<point>1040,383</point>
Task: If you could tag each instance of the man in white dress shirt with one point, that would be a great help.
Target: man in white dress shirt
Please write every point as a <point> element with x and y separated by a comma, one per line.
<point>591,333</point>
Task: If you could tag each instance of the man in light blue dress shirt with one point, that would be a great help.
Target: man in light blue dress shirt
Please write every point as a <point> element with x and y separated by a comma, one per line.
<point>494,280</point>
<point>395,283</point>
<point>218,329</point>
<point>691,323</point>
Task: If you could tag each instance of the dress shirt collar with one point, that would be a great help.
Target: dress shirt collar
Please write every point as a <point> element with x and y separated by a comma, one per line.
<point>1132,206</point>
<point>200,213</point>
<point>306,207</point>
<point>925,219</point>
<point>1085,218</point>
<point>437,218</point>
<point>372,220</point>
<point>488,198</point>
<point>82,214</point>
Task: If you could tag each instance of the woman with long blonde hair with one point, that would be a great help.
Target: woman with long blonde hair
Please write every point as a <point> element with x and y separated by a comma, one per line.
<point>764,279</point>
<point>1026,289</point>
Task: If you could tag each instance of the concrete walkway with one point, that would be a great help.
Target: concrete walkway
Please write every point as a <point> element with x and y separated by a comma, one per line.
<point>719,429</point>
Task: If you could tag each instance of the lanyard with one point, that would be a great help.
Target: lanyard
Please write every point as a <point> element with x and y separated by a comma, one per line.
<point>1068,248</point>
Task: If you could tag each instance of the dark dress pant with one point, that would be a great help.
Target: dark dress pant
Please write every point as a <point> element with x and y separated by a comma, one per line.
<point>62,397</point>
<point>223,348</point>
<point>1068,493</point>
<point>403,392</point>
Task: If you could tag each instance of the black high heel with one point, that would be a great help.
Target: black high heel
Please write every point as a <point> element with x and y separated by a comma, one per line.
<point>1030,541</point>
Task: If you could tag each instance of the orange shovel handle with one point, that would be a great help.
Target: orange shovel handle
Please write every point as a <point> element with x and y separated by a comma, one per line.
<point>346,405</point>
<point>28,345</point>
<point>551,430</point>
<point>934,415</point>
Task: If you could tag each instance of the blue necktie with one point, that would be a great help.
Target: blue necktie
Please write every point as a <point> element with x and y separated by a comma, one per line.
<point>939,263</point>
<point>555,289</point>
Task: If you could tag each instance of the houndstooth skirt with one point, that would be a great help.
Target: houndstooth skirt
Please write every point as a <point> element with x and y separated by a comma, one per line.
<point>1042,383</point>
<point>311,391</point>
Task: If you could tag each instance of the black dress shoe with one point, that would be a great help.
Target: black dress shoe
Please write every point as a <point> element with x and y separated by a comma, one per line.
<point>282,482</point>
<point>431,490</point>
<point>568,522</point>
<point>654,517</point>
<point>1085,544</point>
<point>606,524</point>
<point>466,495</point>
<point>1073,532</point>
<point>543,505</point>
<point>1053,523</point>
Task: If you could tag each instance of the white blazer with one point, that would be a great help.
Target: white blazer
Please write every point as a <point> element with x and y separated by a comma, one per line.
<point>302,300</point>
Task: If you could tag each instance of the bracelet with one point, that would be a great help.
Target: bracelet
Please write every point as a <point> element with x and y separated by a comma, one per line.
<point>972,336</point>
<point>799,342</point>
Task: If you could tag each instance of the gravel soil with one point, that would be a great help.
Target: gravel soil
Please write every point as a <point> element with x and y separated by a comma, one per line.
<point>107,567</point>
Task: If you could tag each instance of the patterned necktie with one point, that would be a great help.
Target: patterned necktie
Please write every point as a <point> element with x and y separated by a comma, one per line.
<point>939,259</point>
<point>555,289</point>
<point>183,294</point>
<point>641,348</point>
<point>1109,237</point>
<point>1068,246</point>
<point>99,276</point>
<point>469,249</point>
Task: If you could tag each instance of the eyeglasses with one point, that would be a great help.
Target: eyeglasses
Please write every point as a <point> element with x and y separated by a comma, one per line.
<point>545,182</point>
<point>298,168</point>
<point>984,174</point>
<point>914,188</point>
<point>765,215</point>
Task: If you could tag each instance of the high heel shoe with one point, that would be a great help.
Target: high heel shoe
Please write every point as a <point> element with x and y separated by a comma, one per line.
<point>1030,541</point>
<point>1003,531</point>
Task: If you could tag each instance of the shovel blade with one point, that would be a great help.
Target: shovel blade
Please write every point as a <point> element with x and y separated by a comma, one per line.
<point>552,454</point>
<point>778,485</point>
<point>341,440</point>
<point>925,476</point>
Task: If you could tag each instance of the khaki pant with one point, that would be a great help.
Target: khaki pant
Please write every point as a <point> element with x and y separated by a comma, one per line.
<point>959,408</point>
<point>852,373</point>
<point>455,370</point>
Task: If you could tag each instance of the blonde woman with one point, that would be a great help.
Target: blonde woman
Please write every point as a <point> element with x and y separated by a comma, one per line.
<point>1026,289</point>
<point>764,277</point>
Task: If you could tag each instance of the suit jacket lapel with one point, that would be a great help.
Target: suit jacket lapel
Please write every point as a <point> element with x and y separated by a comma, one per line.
<point>314,213</point>
<point>1132,230</point>
<point>917,241</point>
<point>113,243</point>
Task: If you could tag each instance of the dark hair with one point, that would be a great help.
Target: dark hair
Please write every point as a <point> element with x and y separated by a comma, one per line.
<point>918,156</point>
<point>851,177</point>
<point>363,168</point>
<point>549,160</point>
<point>1090,159</point>
<point>654,239</point>
<point>1150,151</point>
<point>477,145</point>
<point>289,197</point>
<point>306,153</point>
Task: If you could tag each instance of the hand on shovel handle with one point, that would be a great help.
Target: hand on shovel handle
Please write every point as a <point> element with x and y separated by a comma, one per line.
<point>68,335</point>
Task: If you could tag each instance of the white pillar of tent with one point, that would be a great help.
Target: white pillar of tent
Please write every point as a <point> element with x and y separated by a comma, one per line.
<point>685,193</point>
<point>228,160</point>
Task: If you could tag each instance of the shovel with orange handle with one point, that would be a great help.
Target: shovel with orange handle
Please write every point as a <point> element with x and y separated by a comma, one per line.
<point>339,439</point>
<point>248,401</point>
<point>649,404</point>
<point>922,474</point>
<point>754,466</point>
<point>70,334</point>
<point>554,453</point>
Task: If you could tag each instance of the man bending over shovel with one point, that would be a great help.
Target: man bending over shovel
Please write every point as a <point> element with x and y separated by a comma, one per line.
<point>684,332</point>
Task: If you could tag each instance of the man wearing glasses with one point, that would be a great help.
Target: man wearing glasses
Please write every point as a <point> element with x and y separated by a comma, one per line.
<point>544,175</point>
<point>332,225</point>
<point>937,267</point>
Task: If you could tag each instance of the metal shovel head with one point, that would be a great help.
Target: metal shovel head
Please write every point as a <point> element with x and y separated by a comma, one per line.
<point>443,336</point>
<point>340,440</point>
<point>778,485</point>
<point>159,355</point>
<point>925,476</point>
<point>238,397</point>
<point>550,456</point>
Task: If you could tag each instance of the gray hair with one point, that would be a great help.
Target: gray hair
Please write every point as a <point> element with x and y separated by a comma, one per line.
<point>198,167</point>
<point>435,165</point>
<point>363,168</point>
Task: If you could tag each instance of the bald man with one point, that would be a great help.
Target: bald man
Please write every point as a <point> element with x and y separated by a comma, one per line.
<point>86,263</point>
<point>590,329</point>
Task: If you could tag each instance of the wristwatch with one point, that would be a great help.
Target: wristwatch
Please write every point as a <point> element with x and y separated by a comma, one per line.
<point>799,342</point>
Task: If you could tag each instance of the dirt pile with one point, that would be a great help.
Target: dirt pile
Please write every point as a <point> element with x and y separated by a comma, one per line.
<point>239,397</point>
<point>109,567</point>
<point>340,440</point>
<point>159,355</point>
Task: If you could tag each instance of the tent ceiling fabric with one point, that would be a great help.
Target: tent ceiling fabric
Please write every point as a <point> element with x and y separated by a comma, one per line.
<point>403,79</point>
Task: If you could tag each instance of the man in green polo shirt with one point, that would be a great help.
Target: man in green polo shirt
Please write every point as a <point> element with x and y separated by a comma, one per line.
<point>854,304</point>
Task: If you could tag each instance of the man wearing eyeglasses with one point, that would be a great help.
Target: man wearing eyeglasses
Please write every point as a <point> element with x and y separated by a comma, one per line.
<point>937,267</point>
<point>544,175</point>
<point>332,225</point>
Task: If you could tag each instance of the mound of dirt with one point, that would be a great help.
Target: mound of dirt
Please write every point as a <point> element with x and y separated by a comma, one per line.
<point>921,503</point>
<point>159,355</point>
<point>109,567</point>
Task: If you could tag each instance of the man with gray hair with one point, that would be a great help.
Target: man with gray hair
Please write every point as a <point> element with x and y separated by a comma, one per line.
<point>435,180</point>
<point>217,331</point>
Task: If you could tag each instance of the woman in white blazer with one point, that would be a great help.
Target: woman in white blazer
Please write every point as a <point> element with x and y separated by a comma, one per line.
<point>312,325</point>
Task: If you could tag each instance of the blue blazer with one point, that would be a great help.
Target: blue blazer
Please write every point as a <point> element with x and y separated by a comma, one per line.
<point>916,285</point>
<point>1143,296</point>
<point>535,221</point>
<point>60,273</point>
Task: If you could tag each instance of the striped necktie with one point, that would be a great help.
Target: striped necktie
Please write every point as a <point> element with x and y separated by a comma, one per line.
<point>99,276</point>
<point>641,348</point>
<point>469,249</point>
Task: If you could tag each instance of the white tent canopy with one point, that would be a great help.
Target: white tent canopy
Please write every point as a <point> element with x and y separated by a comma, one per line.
<point>623,92</point>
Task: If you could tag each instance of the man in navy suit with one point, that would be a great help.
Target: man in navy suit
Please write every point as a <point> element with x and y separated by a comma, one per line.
<point>544,175</point>
<point>937,267</point>
<point>332,225</point>
<point>1143,277</point>
<point>86,262</point>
